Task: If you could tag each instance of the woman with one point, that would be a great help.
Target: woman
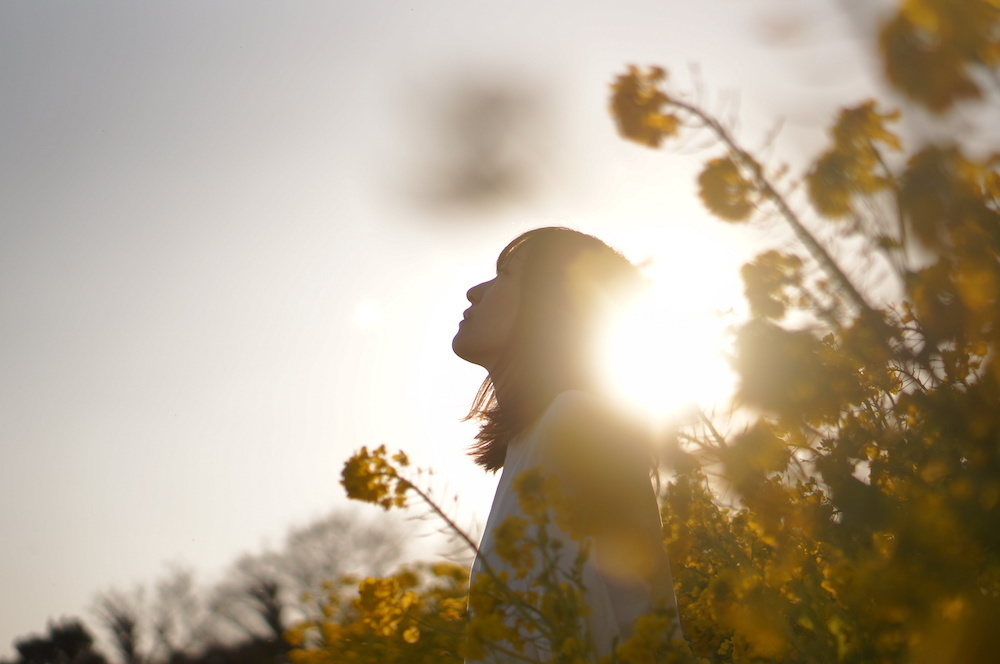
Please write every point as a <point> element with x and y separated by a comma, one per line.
<point>536,328</point>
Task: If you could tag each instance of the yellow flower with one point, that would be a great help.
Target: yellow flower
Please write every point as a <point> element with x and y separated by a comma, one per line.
<point>531,488</point>
<point>369,477</point>
<point>849,167</point>
<point>513,547</point>
<point>725,191</point>
<point>637,102</point>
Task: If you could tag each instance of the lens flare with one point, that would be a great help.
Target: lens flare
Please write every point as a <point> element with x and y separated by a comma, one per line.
<point>665,353</point>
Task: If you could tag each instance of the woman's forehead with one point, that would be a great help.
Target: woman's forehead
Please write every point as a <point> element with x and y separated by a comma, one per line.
<point>513,254</point>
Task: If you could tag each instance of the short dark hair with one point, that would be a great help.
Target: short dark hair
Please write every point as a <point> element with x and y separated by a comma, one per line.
<point>570,285</point>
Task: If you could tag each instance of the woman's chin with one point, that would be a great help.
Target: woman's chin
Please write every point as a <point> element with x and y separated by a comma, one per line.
<point>461,349</point>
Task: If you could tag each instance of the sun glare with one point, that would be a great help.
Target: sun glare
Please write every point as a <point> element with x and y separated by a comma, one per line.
<point>667,352</point>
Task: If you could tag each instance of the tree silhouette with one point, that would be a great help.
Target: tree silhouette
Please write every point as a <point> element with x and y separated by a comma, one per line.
<point>181,622</point>
<point>251,600</point>
<point>121,615</point>
<point>264,594</point>
<point>243,617</point>
<point>67,642</point>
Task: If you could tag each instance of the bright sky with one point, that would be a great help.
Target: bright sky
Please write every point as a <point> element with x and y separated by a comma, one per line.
<point>235,238</point>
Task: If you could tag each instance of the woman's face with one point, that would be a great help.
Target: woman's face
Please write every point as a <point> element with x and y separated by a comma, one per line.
<point>487,325</point>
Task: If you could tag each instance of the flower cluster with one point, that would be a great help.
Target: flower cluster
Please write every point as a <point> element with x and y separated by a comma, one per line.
<point>416,615</point>
<point>371,477</point>
<point>854,165</point>
<point>637,102</point>
<point>864,498</point>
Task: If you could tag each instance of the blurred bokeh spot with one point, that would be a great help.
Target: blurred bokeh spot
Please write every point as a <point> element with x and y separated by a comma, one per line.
<point>475,145</point>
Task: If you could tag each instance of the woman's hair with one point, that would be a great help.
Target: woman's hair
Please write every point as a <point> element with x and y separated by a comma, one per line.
<point>570,286</point>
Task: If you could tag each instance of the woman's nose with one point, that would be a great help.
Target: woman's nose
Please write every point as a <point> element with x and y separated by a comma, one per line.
<point>475,293</point>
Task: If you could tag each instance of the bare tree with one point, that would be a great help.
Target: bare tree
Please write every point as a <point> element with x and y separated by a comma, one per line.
<point>265,593</point>
<point>179,615</point>
<point>120,613</point>
<point>341,543</point>
<point>250,598</point>
<point>175,623</point>
<point>260,597</point>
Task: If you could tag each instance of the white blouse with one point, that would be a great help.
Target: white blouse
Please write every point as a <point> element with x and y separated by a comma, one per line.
<point>579,442</point>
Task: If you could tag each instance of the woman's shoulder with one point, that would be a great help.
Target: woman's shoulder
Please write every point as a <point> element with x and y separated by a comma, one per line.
<point>586,413</point>
<point>574,403</point>
<point>581,423</point>
<point>597,453</point>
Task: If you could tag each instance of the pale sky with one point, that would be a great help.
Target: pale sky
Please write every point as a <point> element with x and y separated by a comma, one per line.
<point>235,239</point>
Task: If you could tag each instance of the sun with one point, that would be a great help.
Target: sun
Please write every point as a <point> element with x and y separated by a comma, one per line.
<point>668,351</point>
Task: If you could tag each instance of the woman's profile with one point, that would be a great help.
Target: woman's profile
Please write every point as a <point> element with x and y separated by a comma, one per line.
<point>536,328</point>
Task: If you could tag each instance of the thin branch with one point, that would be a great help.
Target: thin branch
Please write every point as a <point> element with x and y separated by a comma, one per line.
<point>817,251</point>
<point>711,428</point>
